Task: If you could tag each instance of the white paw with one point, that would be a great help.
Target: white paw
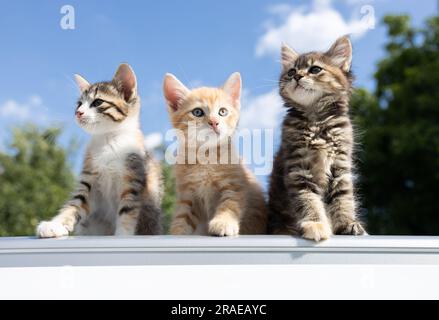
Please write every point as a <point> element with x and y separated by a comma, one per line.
<point>221,226</point>
<point>51,229</point>
<point>315,230</point>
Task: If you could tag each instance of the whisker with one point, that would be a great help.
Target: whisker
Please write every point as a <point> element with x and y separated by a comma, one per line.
<point>271,80</point>
<point>71,81</point>
<point>264,86</point>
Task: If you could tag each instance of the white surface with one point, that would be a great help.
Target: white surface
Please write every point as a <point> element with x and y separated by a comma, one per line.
<point>222,282</point>
<point>245,267</point>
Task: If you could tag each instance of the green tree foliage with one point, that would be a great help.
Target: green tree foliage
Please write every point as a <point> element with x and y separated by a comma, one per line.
<point>398,158</point>
<point>399,130</point>
<point>35,179</point>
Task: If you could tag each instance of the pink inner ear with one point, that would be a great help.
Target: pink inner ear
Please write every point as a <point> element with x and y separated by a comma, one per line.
<point>126,79</point>
<point>128,84</point>
<point>174,92</point>
<point>172,97</point>
<point>233,87</point>
<point>235,90</point>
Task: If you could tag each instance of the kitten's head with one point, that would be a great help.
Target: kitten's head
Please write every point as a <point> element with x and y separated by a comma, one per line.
<point>308,77</point>
<point>212,112</point>
<point>108,106</point>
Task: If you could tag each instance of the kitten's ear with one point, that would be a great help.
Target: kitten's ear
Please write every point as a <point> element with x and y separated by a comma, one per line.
<point>233,87</point>
<point>340,53</point>
<point>288,55</point>
<point>126,81</point>
<point>82,83</point>
<point>175,91</point>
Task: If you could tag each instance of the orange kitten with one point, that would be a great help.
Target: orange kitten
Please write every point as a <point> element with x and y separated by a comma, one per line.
<point>217,195</point>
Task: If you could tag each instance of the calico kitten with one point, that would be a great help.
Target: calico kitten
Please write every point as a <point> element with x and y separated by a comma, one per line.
<point>311,188</point>
<point>120,188</point>
<point>220,198</point>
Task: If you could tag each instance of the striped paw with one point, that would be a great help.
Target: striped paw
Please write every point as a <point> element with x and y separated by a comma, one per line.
<point>354,228</point>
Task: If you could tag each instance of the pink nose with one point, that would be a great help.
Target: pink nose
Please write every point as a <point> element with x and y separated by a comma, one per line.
<point>213,123</point>
<point>79,113</point>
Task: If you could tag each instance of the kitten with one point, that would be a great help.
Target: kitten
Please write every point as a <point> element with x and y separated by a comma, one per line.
<point>311,188</point>
<point>120,187</point>
<point>214,197</point>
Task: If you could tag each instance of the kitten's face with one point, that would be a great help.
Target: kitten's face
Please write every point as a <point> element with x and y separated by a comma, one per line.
<point>207,116</point>
<point>306,78</point>
<point>106,106</point>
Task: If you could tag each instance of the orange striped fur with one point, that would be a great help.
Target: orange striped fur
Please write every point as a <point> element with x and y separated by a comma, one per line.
<point>221,199</point>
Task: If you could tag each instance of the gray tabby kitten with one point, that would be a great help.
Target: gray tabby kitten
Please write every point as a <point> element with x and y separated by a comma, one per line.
<point>120,187</point>
<point>311,188</point>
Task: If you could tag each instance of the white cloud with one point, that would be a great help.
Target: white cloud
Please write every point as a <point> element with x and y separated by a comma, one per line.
<point>23,111</point>
<point>35,100</point>
<point>356,2</point>
<point>263,111</point>
<point>13,109</point>
<point>153,140</point>
<point>281,9</point>
<point>307,28</point>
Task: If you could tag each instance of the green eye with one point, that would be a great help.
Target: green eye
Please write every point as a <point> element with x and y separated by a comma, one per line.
<point>198,112</point>
<point>223,112</point>
<point>96,103</point>
<point>314,70</point>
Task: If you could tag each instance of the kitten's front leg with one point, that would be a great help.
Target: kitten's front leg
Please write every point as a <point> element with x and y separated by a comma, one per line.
<point>184,221</point>
<point>133,185</point>
<point>225,221</point>
<point>307,204</point>
<point>71,213</point>
<point>341,204</point>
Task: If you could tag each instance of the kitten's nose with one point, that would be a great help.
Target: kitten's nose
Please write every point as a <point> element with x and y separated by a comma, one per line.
<point>297,77</point>
<point>213,123</point>
<point>79,113</point>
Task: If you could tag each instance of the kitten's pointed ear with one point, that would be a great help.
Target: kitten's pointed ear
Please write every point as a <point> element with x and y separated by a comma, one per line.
<point>340,53</point>
<point>126,81</point>
<point>82,83</point>
<point>175,92</point>
<point>288,55</point>
<point>233,87</point>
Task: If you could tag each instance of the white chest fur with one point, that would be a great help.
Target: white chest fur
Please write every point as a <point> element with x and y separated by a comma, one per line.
<point>108,155</point>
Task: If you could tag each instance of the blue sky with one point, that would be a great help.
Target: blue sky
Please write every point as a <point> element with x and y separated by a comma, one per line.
<point>202,42</point>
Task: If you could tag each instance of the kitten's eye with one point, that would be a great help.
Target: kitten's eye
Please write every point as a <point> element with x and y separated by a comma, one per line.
<point>198,112</point>
<point>314,70</point>
<point>223,112</point>
<point>79,104</point>
<point>291,72</point>
<point>96,103</point>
